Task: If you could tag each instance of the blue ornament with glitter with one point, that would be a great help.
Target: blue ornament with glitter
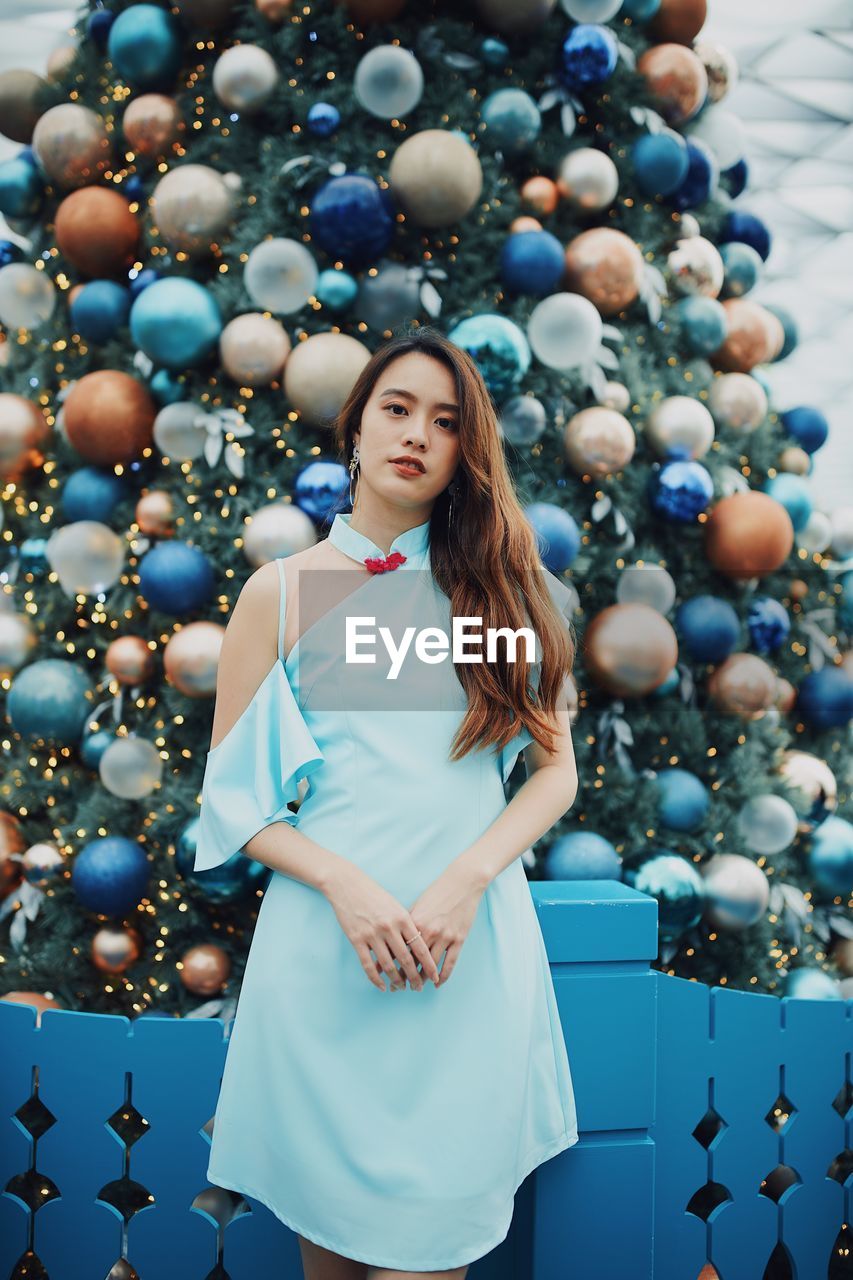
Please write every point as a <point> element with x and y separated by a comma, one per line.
<point>683,799</point>
<point>736,178</point>
<point>499,347</point>
<point>321,489</point>
<point>661,161</point>
<point>702,175</point>
<point>145,46</point>
<point>795,496</point>
<point>557,534</point>
<point>825,698</point>
<point>704,323</point>
<point>323,119</point>
<point>831,854</point>
<point>141,280</point>
<point>747,228</point>
<point>808,426</point>
<point>742,266</point>
<point>232,881</point>
<point>708,627</point>
<point>589,56</point>
<point>353,219</point>
<point>582,855</point>
<point>176,578</point>
<point>495,53</point>
<point>91,493</point>
<point>769,624</point>
<point>336,290</point>
<point>100,309</point>
<point>680,490</point>
<point>510,121</point>
<point>21,187</point>
<point>532,262</point>
<point>677,886</point>
<point>110,875</point>
<point>50,701</point>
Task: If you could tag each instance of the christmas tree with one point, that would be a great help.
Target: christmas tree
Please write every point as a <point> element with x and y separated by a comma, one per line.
<point>221,208</point>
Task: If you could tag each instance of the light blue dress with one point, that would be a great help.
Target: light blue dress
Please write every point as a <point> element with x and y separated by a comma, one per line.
<point>393,1128</point>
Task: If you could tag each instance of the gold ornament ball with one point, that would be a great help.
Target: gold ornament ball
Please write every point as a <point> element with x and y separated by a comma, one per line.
<point>253,349</point>
<point>799,589</point>
<point>18,639</point>
<point>114,950</point>
<point>37,999</point>
<point>676,77</point>
<point>20,93</point>
<point>12,843</point>
<point>794,460</point>
<point>60,60</point>
<point>842,954</point>
<point>605,266</point>
<point>97,232</point>
<point>747,341</point>
<point>109,417</point>
<point>72,145</point>
<point>274,11</point>
<point>629,649</point>
<point>679,20</point>
<point>524,222</point>
<point>737,401</point>
<point>616,396</point>
<point>748,534</point>
<point>24,435</point>
<point>744,685</point>
<point>436,176</point>
<point>193,207</point>
<point>320,373</point>
<point>541,194</point>
<point>152,124</point>
<point>129,660</point>
<point>598,442</point>
<point>155,513</point>
<point>191,658</point>
<point>786,695</point>
<point>204,969</point>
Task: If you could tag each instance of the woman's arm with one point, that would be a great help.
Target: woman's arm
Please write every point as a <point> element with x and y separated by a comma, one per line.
<point>548,793</point>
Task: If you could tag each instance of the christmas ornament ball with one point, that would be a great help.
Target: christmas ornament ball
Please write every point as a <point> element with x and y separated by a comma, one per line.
<point>629,649</point>
<point>109,417</point>
<point>204,969</point>
<point>437,177</point>
<point>748,535</point>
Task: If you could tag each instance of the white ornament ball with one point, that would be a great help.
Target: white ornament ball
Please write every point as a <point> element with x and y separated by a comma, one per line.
<point>277,530</point>
<point>680,424</point>
<point>389,82</point>
<point>244,77</point>
<point>320,372</point>
<point>588,179</point>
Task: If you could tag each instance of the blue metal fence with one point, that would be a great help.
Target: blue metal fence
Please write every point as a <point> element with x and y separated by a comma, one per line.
<point>715,1125</point>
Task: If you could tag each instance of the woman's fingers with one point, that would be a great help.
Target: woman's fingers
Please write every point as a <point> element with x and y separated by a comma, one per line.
<point>423,955</point>
<point>449,962</point>
<point>386,963</point>
<point>407,960</point>
<point>369,965</point>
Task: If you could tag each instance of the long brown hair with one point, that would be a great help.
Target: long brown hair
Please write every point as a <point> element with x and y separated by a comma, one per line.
<point>488,564</point>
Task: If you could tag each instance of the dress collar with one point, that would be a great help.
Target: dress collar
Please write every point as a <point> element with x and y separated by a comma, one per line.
<point>412,543</point>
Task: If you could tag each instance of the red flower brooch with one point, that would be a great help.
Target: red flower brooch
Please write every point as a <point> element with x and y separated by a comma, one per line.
<point>381,564</point>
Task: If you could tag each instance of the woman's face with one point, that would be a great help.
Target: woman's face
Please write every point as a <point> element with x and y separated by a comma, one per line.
<point>412,410</point>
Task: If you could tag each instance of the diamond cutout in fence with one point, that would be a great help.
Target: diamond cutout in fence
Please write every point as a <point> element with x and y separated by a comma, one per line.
<point>128,1124</point>
<point>35,1117</point>
<point>781,1114</point>
<point>843,1100</point>
<point>709,1128</point>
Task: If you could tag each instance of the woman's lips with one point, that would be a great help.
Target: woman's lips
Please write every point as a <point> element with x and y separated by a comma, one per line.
<point>407,469</point>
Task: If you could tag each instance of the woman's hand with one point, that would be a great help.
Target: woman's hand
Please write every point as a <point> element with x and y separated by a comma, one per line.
<point>444,913</point>
<point>373,919</point>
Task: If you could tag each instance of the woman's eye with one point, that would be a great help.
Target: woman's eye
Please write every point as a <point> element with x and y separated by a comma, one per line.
<point>451,422</point>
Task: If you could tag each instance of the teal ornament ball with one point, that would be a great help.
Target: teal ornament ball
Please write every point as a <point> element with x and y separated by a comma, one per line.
<point>742,267</point>
<point>683,799</point>
<point>167,387</point>
<point>336,290</point>
<point>831,855</point>
<point>582,855</point>
<point>50,700</point>
<point>678,888</point>
<point>499,347</point>
<point>93,747</point>
<point>176,322</point>
<point>795,495</point>
<point>806,983</point>
<point>667,686</point>
<point>495,53</point>
<point>144,46</point>
<point>704,323</point>
<point>236,879</point>
<point>510,121</point>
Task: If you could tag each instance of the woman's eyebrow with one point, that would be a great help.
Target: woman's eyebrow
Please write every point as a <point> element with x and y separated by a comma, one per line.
<point>398,391</point>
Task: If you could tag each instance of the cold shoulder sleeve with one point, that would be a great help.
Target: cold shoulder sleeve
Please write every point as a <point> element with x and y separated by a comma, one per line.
<point>251,776</point>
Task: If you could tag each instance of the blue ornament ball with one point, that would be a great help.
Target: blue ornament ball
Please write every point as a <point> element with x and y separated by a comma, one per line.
<point>176,578</point>
<point>825,699</point>
<point>100,309</point>
<point>748,229</point>
<point>176,322</point>
<point>93,746</point>
<point>808,426</point>
<point>495,53</point>
<point>234,880</point>
<point>639,10</point>
<point>139,280</point>
<point>50,701</point>
<point>336,290</point>
<point>795,496</point>
<point>133,188</point>
<point>144,46</point>
<point>683,799</point>
<point>532,262</point>
<point>21,187</point>
<point>736,178</point>
<point>321,489</point>
<point>499,347</point>
<point>669,685</point>
<point>709,628</point>
<point>680,490</point>
<point>90,493</point>
<point>742,267</point>
<point>806,983</point>
<point>789,328</point>
<point>703,172</point>
<point>32,556</point>
<point>167,387</point>
<point>582,855</point>
<point>769,624</point>
<point>110,875</point>
<point>98,26</point>
<point>704,323</point>
<point>557,532</point>
<point>353,219</point>
<point>510,120</point>
<point>661,161</point>
<point>678,888</point>
<point>589,55</point>
<point>831,854</point>
<point>10,252</point>
<point>323,119</point>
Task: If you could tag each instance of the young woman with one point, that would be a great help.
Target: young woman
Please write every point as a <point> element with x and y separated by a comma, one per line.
<point>392,1135</point>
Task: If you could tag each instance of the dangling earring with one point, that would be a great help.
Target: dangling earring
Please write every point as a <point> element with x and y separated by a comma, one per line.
<point>451,489</point>
<point>352,468</point>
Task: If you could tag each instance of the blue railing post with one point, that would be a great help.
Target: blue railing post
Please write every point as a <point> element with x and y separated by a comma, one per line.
<point>593,1209</point>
